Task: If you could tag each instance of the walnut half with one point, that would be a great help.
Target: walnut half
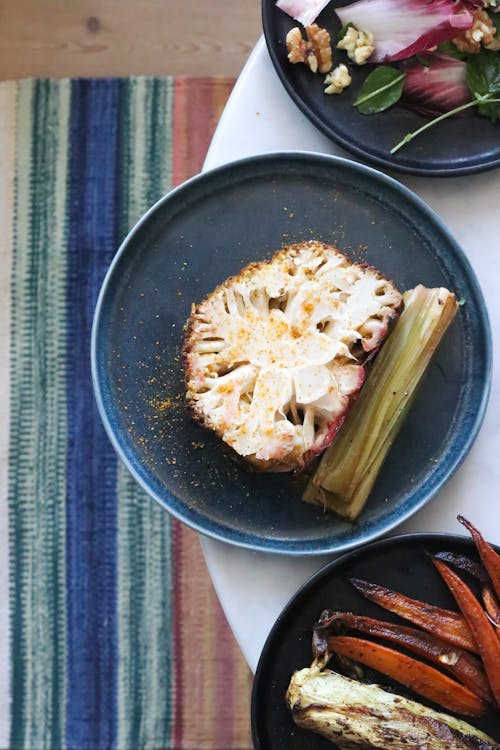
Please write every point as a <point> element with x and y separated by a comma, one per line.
<point>315,51</point>
<point>482,33</point>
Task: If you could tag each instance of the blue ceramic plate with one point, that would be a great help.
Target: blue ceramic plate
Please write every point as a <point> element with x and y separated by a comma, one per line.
<point>207,230</point>
<point>400,563</point>
<point>462,145</point>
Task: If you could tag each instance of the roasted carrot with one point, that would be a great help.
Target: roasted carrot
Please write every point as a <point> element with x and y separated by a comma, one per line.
<point>451,626</point>
<point>477,571</point>
<point>462,562</point>
<point>461,664</point>
<point>420,677</point>
<point>491,606</point>
<point>490,558</point>
<point>483,630</point>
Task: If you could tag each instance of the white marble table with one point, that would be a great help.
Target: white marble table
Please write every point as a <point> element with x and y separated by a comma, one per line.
<point>259,118</point>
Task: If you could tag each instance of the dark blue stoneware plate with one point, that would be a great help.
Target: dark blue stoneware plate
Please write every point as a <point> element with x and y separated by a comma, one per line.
<point>400,563</point>
<point>207,230</point>
<point>459,145</point>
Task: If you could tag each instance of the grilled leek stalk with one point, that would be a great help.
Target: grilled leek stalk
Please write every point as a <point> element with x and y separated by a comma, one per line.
<point>356,715</point>
<point>349,468</point>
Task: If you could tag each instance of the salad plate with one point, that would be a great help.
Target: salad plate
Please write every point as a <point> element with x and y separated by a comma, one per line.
<point>400,563</point>
<point>457,146</point>
<point>208,229</point>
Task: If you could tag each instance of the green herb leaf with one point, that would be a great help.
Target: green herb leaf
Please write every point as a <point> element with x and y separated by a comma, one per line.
<point>483,78</point>
<point>449,49</point>
<point>483,73</point>
<point>494,20</point>
<point>380,90</point>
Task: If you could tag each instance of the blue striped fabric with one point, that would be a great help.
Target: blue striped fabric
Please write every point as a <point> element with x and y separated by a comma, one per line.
<point>91,720</point>
<point>102,582</point>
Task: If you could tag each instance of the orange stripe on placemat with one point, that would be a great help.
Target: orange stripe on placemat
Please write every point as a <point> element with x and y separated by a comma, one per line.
<point>211,679</point>
<point>193,645</point>
<point>223,698</point>
<point>220,94</point>
<point>242,688</point>
<point>198,105</point>
<point>233,690</point>
<point>212,682</point>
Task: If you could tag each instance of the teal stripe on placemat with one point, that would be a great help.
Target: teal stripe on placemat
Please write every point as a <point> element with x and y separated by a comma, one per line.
<point>37,453</point>
<point>144,530</point>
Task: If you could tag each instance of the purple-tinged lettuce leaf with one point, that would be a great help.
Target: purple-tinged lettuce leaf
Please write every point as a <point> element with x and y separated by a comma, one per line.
<point>435,83</point>
<point>403,28</point>
<point>304,11</point>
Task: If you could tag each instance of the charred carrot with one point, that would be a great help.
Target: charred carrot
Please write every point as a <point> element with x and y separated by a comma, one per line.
<point>490,558</point>
<point>420,677</point>
<point>484,632</point>
<point>491,606</point>
<point>461,664</point>
<point>451,626</point>
<point>477,571</point>
<point>462,562</point>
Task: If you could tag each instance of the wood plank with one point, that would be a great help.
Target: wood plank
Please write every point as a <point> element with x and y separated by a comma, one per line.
<point>126,37</point>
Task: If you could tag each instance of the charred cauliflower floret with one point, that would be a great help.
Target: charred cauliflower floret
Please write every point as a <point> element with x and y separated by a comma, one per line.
<point>274,355</point>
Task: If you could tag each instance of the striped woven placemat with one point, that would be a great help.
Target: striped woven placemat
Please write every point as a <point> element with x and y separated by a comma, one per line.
<point>110,632</point>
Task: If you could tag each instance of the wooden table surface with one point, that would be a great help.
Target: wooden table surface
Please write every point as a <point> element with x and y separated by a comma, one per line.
<point>126,37</point>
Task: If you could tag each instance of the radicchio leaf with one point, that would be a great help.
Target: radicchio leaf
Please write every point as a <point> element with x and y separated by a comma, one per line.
<point>304,11</point>
<point>435,83</point>
<point>402,28</point>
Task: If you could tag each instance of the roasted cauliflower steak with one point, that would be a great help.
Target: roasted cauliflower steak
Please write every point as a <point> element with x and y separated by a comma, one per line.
<point>274,355</point>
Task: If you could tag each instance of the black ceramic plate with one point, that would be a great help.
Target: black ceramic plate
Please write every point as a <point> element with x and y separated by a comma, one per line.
<point>456,146</point>
<point>210,228</point>
<point>399,563</point>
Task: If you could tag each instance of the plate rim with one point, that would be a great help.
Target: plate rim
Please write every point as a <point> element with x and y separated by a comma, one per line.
<point>353,148</point>
<point>364,549</point>
<point>222,532</point>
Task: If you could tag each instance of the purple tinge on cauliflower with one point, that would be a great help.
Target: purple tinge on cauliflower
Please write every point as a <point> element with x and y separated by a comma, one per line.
<point>275,355</point>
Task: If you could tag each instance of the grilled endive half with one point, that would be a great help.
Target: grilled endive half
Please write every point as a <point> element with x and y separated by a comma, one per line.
<point>356,715</point>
